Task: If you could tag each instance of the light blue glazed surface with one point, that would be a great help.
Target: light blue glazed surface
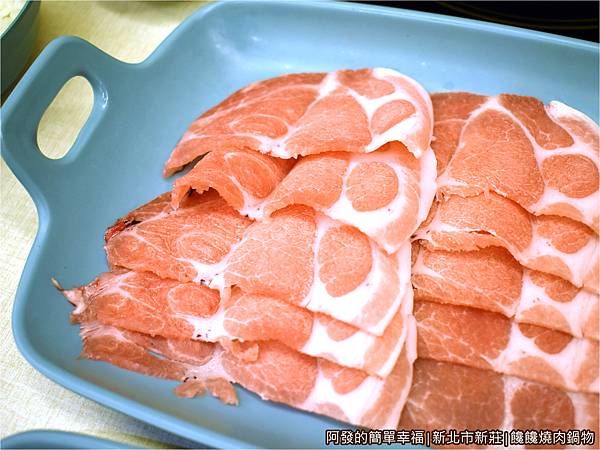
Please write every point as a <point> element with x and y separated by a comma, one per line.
<point>50,439</point>
<point>141,110</point>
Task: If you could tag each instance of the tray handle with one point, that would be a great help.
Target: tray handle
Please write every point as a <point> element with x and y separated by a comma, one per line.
<point>62,59</point>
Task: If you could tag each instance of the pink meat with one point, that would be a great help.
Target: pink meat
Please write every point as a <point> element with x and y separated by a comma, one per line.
<point>296,255</point>
<point>277,374</point>
<point>493,280</point>
<point>244,178</point>
<point>309,260</point>
<point>190,243</point>
<point>447,396</point>
<point>145,303</point>
<point>303,114</point>
<point>386,193</point>
<point>487,340</point>
<point>552,244</point>
<point>545,158</point>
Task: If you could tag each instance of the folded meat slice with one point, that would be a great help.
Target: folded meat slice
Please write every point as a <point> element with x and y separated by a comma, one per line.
<point>296,255</point>
<point>493,280</point>
<point>244,178</point>
<point>545,158</point>
<point>487,340</point>
<point>278,374</point>
<point>551,244</point>
<point>187,244</point>
<point>386,194</point>
<point>447,396</point>
<point>145,303</point>
<point>157,207</point>
<point>305,258</point>
<point>307,113</point>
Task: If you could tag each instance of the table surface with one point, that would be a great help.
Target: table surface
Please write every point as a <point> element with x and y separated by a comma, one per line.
<point>128,31</point>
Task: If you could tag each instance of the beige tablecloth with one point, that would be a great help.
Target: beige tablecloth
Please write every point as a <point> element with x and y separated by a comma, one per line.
<point>129,31</point>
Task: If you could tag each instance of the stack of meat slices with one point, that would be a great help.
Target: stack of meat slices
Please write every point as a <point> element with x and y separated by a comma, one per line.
<point>506,269</point>
<point>281,261</point>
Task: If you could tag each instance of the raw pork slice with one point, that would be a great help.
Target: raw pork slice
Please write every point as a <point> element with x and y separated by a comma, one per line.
<point>278,374</point>
<point>308,113</point>
<point>244,178</point>
<point>487,340</point>
<point>551,244</point>
<point>188,244</point>
<point>146,303</point>
<point>447,396</point>
<point>492,279</point>
<point>545,158</point>
<point>305,258</point>
<point>296,255</point>
<point>157,207</point>
<point>386,194</point>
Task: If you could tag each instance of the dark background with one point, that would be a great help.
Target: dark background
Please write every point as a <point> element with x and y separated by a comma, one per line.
<point>568,18</point>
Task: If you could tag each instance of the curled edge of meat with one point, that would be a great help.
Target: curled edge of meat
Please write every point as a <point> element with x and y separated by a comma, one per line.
<point>220,388</point>
<point>245,351</point>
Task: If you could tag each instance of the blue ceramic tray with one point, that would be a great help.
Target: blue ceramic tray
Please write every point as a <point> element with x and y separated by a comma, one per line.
<point>49,439</point>
<point>141,110</point>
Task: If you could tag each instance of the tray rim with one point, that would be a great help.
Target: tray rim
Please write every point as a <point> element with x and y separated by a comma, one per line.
<point>129,406</point>
<point>33,438</point>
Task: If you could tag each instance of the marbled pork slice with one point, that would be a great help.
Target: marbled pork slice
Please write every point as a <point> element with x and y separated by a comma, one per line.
<point>310,260</point>
<point>493,280</point>
<point>190,243</point>
<point>488,340</point>
<point>552,244</point>
<point>145,303</point>
<point>545,158</point>
<point>296,255</point>
<point>446,396</point>
<point>278,374</point>
<point>386,193</point>
<point>243,177</point>
<point>307,113</point>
